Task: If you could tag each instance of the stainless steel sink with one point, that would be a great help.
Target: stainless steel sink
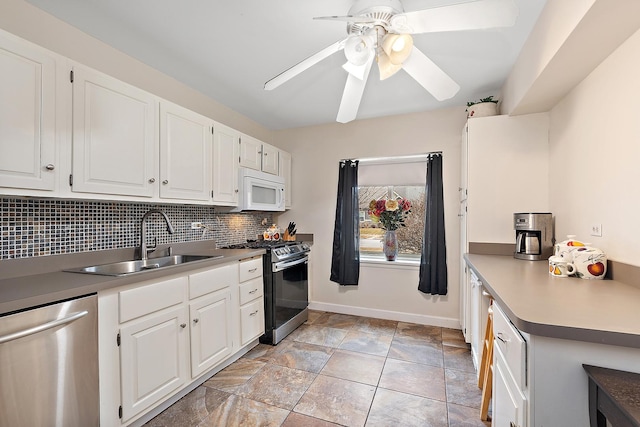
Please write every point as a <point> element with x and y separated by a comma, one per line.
<point>138,266</point>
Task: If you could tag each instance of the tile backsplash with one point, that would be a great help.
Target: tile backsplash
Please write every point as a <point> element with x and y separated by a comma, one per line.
<point>31,227</point>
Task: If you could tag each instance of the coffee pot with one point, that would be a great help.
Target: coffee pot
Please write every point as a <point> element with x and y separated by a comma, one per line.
<point>534,235</point>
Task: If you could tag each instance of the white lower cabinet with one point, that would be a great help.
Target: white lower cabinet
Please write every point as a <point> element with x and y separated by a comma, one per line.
<point>210,330</point>
<point>153,358</point>
<point>172,333</point>
<point>509,397</point>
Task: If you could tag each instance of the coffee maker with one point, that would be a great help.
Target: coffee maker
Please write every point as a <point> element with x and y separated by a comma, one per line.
<point>534,235</point>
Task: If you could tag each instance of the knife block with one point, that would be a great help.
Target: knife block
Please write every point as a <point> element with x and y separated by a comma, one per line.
<point>287,238</point>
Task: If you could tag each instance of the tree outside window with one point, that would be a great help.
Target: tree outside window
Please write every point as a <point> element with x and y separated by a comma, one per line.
<point>409,237</point>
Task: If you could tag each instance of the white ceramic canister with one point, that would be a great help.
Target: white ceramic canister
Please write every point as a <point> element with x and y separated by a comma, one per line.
<point>566,248</point>
<point>559,267</point>
<point>591,263</point>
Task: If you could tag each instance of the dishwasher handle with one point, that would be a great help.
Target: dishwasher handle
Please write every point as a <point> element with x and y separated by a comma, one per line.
<point>42,327</point>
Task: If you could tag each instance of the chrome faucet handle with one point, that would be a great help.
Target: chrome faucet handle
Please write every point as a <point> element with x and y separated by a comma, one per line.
<point>151,248</point>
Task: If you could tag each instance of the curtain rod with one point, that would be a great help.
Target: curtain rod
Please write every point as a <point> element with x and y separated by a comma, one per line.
<point>394,158</point>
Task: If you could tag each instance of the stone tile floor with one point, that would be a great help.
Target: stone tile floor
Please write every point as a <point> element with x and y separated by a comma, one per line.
<point>341,370</point>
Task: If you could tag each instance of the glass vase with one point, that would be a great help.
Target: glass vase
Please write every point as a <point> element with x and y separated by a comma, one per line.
<point>390,245</point>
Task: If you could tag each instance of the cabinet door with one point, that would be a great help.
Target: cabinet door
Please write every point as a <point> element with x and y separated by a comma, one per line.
<point>185,153</point>
<point>115,149</point>
<point>250,152</point>
<point>284,170</point>
<point>251,321</point>
<point>226,144</point>
<point>269,159</point>
<point>507,401</point>
<point>27,115</point>
<point>153,359</point>
<point>210,330</point>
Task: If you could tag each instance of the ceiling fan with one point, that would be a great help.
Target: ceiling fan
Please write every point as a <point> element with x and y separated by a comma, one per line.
<point>381,30</point>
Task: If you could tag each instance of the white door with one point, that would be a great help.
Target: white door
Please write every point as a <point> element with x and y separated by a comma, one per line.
<point>284,170</point>
<point>27,115</point>
<point>153,359</point>
<point>269,159</point>
<point>250,152</point>
<point>226,143</point>
<point>210,330</point>
<point>507,399</point>
<point>115,145</point>
<point>185,153</point>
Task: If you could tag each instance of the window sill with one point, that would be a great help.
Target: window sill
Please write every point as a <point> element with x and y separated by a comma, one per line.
<point>383,263</point>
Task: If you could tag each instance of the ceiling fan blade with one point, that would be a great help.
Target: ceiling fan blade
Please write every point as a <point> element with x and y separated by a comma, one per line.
<point>303,65</point>
<point>430,76</point>
<point>352,95</point>
<point>348,18</point>
<point>475,15</point>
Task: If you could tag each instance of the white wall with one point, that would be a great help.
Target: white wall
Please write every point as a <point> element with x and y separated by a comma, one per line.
<point>383,292</point>
<point>594,156</point>
<point>28,22</point>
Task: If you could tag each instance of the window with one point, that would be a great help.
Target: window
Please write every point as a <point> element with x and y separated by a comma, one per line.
<point>385,179</point>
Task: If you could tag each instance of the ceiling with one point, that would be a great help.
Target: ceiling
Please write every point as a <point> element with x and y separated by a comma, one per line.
<point>229,49</point>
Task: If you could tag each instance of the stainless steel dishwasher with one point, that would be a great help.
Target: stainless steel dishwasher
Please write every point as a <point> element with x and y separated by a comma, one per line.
<point>49,365</point>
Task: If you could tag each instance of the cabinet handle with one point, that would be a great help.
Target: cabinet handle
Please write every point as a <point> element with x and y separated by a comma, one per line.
<point>183,325</point>
<point>196,320</point>
<point>253,269</point>
<point>165,182</point>
<point>152,180</point>
<point>236,190</point>
<point>254,313</point>
<point>50,167</point>
<point>253,291</point>
<point>499,336</point>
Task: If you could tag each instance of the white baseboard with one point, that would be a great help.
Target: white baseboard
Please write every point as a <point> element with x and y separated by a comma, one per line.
<point>420,319</point>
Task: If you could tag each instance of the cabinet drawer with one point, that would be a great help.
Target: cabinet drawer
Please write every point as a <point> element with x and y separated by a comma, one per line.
<point>147,299</point>
<point>251,321</point>
<point>511,344</point>
<point>251,290</point>
<point>250,269</point>
<point>212,280</point>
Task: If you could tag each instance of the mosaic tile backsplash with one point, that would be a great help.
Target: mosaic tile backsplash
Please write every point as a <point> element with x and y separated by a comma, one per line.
<point>31,227</point>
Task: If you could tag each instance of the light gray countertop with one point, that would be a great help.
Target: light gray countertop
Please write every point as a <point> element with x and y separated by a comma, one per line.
<point>599,311</point>
<point>26,283</point>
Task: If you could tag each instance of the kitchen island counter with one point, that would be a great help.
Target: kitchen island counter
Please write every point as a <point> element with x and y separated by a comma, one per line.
<point>30,282</point>
<point>597,311</point>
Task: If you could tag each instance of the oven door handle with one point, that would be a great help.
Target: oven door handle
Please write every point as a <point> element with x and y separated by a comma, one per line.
<point>283,265</point>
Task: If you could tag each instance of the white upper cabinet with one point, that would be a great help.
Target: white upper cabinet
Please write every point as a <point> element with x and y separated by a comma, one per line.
<point>185,153</point>
<point>115,144</point>
<point>226,145</point>
<point>258,155</point>
<point>27,115</point>
<point>250,152</point>
<point>269,159</point>
<point>284,170</point>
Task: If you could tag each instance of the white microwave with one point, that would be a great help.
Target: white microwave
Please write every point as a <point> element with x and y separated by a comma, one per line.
<point>260,191</point>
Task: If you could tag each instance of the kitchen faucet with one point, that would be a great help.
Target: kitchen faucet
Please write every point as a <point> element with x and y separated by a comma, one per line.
<point>145,248</point>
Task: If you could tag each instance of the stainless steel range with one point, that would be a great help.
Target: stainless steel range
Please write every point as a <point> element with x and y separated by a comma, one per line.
<point>286,287</point>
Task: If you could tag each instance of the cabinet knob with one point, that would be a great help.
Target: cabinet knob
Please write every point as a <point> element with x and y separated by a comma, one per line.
<point>196,320</point>
<point>236,190</point>
<point>152,180</point>
<point>50,167</point>
<point>165,182</point>
<point>183,325</point>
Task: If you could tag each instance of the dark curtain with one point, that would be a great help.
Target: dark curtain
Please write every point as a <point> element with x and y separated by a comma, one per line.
<point>345,260</point>
<point>433,263</point>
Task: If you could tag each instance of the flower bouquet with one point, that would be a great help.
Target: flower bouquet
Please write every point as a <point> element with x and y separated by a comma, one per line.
<point>390,213</point>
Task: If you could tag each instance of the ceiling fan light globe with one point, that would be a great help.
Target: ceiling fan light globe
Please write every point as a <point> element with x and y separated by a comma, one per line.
<point>358,50</point>
<point>398,47</point>
<point>386,68</point>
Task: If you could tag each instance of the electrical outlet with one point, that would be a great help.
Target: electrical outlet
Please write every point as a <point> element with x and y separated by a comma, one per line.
<point>196,225</point>
<point>596,230</point>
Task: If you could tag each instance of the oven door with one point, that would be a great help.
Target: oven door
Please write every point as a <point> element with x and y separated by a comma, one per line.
<point>290,294</point>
